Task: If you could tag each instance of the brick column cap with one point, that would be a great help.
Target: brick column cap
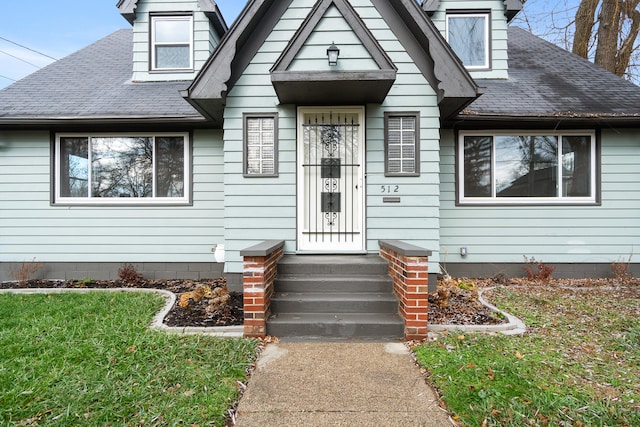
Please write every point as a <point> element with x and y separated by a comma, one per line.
<point>265,248</point>
<point>404,248</point>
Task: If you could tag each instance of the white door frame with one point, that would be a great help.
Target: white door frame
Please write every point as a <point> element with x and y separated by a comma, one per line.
<point>332,238</point>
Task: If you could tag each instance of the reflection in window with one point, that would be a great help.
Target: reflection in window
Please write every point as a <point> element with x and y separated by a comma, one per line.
<point>121,167</point>
<point>526,166</point>
<point>74,165</point>
<point>170,166</point>
<point>576,166</point>
<point>477,166</point>
<point>110,167</point>
<point>468,35</point>
<point>503,167</point>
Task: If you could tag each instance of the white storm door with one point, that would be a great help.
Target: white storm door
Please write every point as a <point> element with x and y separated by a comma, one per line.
<point>331,179</point>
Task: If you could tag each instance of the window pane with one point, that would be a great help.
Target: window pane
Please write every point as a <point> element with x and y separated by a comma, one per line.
<point>260,149</point>
<point>173,57</point>
<point>477,166</point>
<point>526,166</point>
<point>408,166</point>
<point>74,167</point>
<point>468,38</point>
<point>253,167</point>
<point>394,166</point>
<point>172,30</point>
<point>576,166</point>
<point>170,166</point>
<point>121,167</point>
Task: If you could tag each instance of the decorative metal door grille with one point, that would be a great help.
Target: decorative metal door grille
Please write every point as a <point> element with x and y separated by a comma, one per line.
<point>331,173</point>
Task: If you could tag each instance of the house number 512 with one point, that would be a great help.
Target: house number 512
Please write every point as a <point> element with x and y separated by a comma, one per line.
<point>390,188</point>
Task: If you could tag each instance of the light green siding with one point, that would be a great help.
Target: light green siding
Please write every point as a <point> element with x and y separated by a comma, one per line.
<point>497,27</point>
<point>30,227</point>
<point>557,234</point>
<point>333,29</point>
<point>205,39</point>
<point>257,209</point>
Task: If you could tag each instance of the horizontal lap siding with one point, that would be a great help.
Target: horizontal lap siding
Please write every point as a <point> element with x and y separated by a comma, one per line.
<point>554,234</point>
<point>265,208</point>
<point>415,218</point>
<point>258,209</point>
<point>31,228</point>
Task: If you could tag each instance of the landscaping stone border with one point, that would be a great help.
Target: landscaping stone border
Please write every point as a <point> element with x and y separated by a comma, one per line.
<point>514,326</point>
<point>157,322</point>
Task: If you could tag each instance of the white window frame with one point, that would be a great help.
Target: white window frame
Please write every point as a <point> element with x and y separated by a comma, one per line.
<point>559,199</point>
<point>487,36</point>
<point>89,200</point>
<point>153,42</point>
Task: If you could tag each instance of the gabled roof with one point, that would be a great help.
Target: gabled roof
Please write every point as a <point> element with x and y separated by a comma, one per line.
<point>94,86</point>
<point>360,86</point>
<point>511,7</point>
<point>443,70</point>
<point>128,11</point>
<point>548,83</point>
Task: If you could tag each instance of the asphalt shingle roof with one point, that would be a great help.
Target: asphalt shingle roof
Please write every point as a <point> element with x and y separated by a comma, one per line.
<point>545,80</point>
<point>94,82</point>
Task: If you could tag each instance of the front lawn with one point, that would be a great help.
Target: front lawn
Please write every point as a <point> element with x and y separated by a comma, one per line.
<point>578,364</point>
<point>90,359</point>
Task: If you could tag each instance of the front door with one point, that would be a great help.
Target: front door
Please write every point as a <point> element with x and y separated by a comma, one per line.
<point>331,179</point>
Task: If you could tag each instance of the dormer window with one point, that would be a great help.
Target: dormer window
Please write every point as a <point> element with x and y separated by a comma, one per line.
<point>171,42</point>
<point>468,36</point>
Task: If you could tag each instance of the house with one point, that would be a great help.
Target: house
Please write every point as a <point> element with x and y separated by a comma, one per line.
<point>438,125</point>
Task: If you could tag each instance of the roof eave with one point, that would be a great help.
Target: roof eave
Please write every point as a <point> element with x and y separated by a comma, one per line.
<point>557,120</point>
<point>57,121</point>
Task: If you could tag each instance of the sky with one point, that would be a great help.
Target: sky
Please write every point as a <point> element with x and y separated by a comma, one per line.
<point>58,28</point>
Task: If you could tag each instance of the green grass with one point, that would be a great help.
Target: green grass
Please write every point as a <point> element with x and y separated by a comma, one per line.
<point>578,365</point>
<point>91,360</point>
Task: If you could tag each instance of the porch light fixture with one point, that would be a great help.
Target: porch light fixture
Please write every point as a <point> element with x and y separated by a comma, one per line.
<point>332,53</point>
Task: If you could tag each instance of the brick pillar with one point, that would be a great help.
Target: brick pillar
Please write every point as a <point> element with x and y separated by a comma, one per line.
<point>408,267</point>
<point>259,272</point>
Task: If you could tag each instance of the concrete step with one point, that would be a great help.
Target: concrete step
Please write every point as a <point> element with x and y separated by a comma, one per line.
<point>340,302</point>
<point>336,326</point>
<point>333,283</point>
<point>328,265</point>
<point>334,297</point>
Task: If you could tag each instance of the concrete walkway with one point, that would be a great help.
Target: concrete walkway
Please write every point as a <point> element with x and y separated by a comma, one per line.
<point>338,384</point>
